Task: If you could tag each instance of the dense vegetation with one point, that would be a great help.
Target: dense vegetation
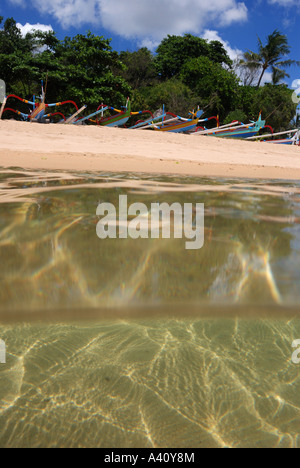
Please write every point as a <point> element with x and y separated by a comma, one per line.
<point>186,71</point>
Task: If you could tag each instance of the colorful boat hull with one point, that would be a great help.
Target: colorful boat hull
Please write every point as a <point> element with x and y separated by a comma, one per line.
<point>247,131</point>
<point>237,134</point>
<point>179,127</point>
<point>117,121</point>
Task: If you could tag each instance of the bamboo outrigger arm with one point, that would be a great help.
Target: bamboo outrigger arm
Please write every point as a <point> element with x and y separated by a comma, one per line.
<point>90,116</point>
<point>73,117</point>
<point>217,130</point>
<point>3,106</point>
<point>273,134</point>
<point>148,122</point>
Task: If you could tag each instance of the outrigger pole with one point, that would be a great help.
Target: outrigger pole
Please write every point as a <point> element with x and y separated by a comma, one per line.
<point>90,116</point>
<point>222,128</point>
<point>148,122</point>
<point>73,117</point>
<point>273,134</point>
<point>3,106</point>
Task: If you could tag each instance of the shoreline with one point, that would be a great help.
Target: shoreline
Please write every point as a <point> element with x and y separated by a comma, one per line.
<point>103,149</point>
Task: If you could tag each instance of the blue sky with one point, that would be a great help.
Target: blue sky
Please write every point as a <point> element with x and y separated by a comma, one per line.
<point>135,23</point>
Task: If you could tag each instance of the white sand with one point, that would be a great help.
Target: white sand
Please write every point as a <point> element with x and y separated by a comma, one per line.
<point>92,148</point>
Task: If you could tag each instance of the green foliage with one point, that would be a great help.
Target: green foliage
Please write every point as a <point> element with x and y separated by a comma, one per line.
<point>175,51</point>
<point>217,86</point>
<point>238,115</point>
<point>81,69</point>
<point>78,68</point>
<point>274,101</point>
<point>276,105</point>
<point>177,97</point>
<point>139,68</point>
<point>246,97</point>
<point>16,54</point>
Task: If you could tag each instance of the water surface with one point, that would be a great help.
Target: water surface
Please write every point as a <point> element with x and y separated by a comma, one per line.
<point>141,343</point>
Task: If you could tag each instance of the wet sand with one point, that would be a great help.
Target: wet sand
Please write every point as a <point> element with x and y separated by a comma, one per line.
<point>87,148</point>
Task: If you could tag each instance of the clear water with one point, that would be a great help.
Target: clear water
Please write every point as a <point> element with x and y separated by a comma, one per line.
<point>141,343</point>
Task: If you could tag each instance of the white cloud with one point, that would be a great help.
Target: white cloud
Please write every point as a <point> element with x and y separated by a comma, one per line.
<point>20,3</point>
<point>142,19</point>
<point>214,36</point>
<point>267,78</point>
<point>71,12</point>
<point>33,27</point>
<point>235,14</point>
<point>156,19</point>
<point>285,3</point>
<point>149,43</point>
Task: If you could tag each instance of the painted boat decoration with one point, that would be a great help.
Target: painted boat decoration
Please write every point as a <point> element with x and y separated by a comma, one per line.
<point>244,131</point>
<point>39,109</point>
<point>146,124</point>
<point>175,124</point>
<point>178,127</point>
<point>117,120</point>
<point>235,130</point>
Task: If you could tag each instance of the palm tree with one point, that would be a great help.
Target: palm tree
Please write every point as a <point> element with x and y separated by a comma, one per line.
<point>278,75</point>
<point>272,55</point>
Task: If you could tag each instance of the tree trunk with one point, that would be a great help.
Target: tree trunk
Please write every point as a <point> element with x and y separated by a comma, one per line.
<point>261,76</point>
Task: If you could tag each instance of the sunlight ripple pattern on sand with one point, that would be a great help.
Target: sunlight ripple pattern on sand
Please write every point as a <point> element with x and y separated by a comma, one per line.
<point>182,380</point>
<point>151,384</point>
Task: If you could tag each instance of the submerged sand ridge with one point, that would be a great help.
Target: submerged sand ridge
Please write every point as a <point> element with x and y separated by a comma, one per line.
<point>62,147</point>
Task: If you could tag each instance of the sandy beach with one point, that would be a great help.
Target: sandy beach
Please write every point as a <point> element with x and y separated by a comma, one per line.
<point>87,148</point>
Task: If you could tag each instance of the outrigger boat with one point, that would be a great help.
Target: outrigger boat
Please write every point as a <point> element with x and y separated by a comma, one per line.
<point>292,139</point>
<point>179,124</point>
<point>38,113</point>
<point>118,120</point>
<point>175,124</point>
<point>235,130</point>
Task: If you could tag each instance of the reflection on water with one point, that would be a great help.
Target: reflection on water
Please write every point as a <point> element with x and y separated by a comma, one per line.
<point>146,343</point>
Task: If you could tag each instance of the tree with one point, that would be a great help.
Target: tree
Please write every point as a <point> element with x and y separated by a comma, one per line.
<point>81,69</point>
<point>272,55</point>
<point>238,115</point>
<point>278,76</point>
<point>15,55</point>
<point>19,58</point>
<point>247,95</point>
<point>176,96</point>
<point>275,102</point>
<point>248,74</point>
<point>139,68</point>
<point>217,87</point>
<point>175,51</point>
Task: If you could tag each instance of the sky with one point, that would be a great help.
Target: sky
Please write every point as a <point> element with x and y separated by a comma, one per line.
<point>132,24</point>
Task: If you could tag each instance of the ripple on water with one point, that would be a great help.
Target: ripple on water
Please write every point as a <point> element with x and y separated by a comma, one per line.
<point>189,381</point>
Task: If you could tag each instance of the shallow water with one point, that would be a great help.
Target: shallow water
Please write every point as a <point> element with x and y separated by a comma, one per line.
<point>142,343</point>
